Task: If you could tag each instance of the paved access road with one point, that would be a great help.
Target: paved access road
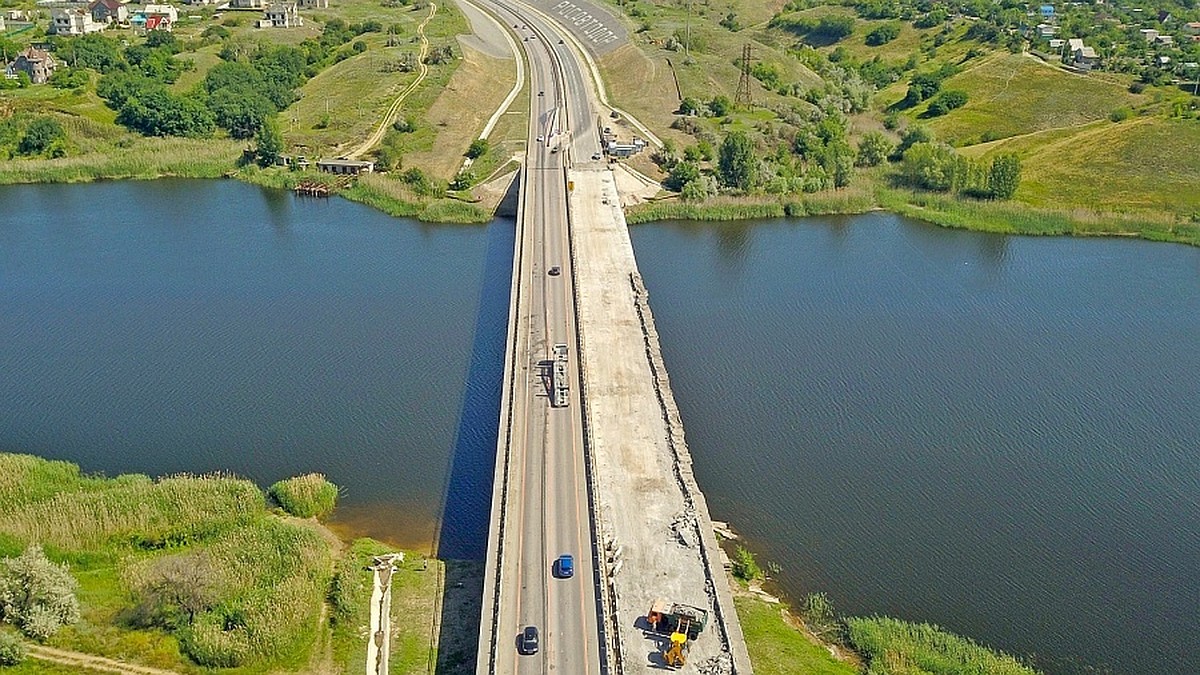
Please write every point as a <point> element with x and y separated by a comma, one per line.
<point>545,505</point>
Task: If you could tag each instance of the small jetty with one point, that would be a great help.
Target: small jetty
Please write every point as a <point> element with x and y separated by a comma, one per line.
<point>311,188</point>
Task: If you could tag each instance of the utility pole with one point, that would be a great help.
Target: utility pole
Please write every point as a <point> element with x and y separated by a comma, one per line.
<point>743,97</point>
<point>687,35</point>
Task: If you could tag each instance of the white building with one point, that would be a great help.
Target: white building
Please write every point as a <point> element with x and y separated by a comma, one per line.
<point>284,15</point>
<point>76,21</point>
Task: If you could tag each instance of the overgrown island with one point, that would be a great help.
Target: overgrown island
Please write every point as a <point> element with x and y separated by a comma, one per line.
<point>976,114</point>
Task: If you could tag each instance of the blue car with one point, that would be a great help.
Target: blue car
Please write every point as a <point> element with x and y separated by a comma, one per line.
<point>564,567</point>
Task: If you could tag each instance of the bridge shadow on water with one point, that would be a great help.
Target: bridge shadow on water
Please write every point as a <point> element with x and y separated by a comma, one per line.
<point>466,506</point>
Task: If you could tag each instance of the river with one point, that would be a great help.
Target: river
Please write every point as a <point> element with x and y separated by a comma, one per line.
<point>995,434</point>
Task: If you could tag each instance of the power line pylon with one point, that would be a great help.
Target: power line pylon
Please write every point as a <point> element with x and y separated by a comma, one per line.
<point>742,97</point>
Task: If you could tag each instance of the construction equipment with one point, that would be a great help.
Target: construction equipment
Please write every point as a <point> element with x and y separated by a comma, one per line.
<point>676,656</point>
<point>668,617</point>
<point>682,622</point>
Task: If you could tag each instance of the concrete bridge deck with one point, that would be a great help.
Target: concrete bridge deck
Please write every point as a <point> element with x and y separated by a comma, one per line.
<point>609,478</point>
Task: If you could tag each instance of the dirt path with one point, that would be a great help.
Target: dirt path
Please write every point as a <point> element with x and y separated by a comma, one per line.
<point>422,71</point>
<point>92,662</point>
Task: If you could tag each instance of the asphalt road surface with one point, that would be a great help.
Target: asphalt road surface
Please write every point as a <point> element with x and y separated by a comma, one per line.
<point>547,512</point>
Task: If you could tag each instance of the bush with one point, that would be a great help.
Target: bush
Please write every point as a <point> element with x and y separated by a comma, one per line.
<point>1120,114</point>
<point>43,135</point>
<point>745,567</point>
<point>946,101</point>
<point>873,149</point>
<point>883,34</point>
<point>12,649</point>
<point>305,496</point>
<point>477,149</point>
<point>36,594</point>
<point>925,648</point>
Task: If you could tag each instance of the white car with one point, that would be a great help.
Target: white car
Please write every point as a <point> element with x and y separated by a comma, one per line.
<point>541,138</point>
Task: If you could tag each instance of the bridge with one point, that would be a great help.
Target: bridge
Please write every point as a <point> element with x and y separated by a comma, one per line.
<point>591,458</point>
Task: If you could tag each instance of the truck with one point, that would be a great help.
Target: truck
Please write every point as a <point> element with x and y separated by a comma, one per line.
<point>559,385</point>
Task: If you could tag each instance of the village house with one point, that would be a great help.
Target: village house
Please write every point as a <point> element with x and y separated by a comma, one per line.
<point>284,15</point>
<point>1149,34</point>
<point>1082,56</point>
<point>1165,40</point>
<point>16,15</point>
<point>1046,31</point>
<point>248,4</point>
<point>313,4</point>
<point>157,17</point>
<point>1192,28</point>
<point>34,62</point>
<point>74,21</point>
<point>2,28</point>
<point>109,11</point>
<point>348,167</point>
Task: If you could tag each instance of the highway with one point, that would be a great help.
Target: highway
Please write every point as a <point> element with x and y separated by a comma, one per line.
<point>541,504</point>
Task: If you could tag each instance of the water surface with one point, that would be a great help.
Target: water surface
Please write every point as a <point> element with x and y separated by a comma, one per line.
<point>996,434</point>
<point>197,326</point>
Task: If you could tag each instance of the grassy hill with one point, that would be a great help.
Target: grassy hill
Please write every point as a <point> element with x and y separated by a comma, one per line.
<point>1080,172</point>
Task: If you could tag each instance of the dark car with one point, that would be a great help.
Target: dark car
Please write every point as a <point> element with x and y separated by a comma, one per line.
<point>528,642</point>
<point>554,271</point>
<point>564,567</point>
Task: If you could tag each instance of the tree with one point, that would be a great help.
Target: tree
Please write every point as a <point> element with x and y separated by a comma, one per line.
<point>175,589</point>
<point>240,109</point>
<point>883,34</point>
<point>268,142</point>
<point>873,149</point>
<point>946,101</point>
<point>37,595</point>
<point>1004,176</point>
<point>681,174</point>
<point>932,166</point>
<point>43,134</point>
<point>477,149</point>
<point>690,106</point>
<point>720,106</point>
<point>910,137</point>
<point>737,162</point>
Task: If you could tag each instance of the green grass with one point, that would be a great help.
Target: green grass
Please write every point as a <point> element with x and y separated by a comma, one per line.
<point>779,648</point>
<point>902,648</point>
<point>307,496</point>
<point>270,576</point>
<point>1144,167</point>
<point>1011,94</point>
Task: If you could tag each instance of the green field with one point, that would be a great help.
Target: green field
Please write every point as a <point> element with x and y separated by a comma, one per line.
<point>1012,94</point>
<point>1143,165</point>
<point>777,647</point>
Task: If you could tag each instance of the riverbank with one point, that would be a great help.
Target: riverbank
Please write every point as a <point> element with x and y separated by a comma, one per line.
<point>945,211</point>
<point>185,573</point>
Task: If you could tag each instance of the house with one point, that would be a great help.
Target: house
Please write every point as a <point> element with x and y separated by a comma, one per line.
<point>1045,31</point>
<point>109,11</point>
<point>1192,28</point>
<point>1082,56</point>
<point>36,63</point>
<point>1165,40</point>
<point>2,28</point>
<point>76,21</point>
<point>284,14</point>
<point>1149,34</point>
<point>1056,43</point>
<point>248,4</point>
<point>348,167</point>
<point>1047,11</point>
<point>1163,61</point>
<point>16,15</point>
<point>313,4</point>
<point>159,17</point>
